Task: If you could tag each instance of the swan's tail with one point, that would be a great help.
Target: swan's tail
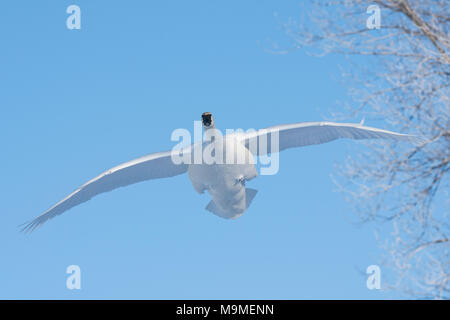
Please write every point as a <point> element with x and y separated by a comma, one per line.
<point>249,195</point>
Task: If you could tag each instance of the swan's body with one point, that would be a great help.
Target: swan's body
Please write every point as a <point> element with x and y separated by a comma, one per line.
<point>224,182</point>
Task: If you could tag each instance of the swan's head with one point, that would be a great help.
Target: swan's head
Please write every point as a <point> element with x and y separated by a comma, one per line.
<point>207,120</point>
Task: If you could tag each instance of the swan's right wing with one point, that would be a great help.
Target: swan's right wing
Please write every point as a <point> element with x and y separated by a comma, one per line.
<point>152,166</point>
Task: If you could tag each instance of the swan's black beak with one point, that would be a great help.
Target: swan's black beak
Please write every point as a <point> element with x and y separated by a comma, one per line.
<point>207,119</point>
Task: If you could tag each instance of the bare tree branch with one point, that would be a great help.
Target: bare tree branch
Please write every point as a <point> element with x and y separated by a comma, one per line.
<point>403,80</point>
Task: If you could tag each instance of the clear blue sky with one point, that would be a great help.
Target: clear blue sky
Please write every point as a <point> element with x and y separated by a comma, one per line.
<point>77,102</point>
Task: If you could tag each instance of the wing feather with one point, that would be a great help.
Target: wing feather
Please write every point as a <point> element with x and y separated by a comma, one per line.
<point>311,133</point>
<point>152,166</point>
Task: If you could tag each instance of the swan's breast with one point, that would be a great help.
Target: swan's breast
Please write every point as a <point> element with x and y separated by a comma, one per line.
<point>224,179</point>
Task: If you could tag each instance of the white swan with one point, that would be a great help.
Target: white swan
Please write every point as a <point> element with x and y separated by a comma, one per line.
<point>224,182</point>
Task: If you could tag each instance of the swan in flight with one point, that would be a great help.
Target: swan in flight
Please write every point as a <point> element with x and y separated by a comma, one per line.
<point>225,182</point>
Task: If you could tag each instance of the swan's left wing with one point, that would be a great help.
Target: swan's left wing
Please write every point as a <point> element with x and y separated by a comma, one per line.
<point>152,166</point>
<point>310,133</point>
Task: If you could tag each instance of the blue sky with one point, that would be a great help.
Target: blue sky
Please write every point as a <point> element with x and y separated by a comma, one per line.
<point>77,102</point>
